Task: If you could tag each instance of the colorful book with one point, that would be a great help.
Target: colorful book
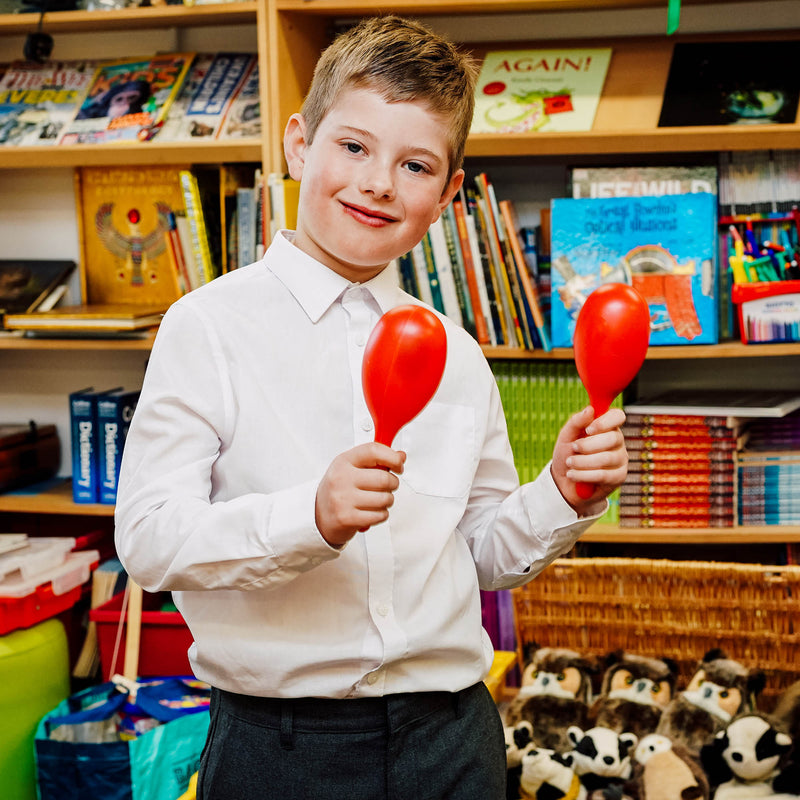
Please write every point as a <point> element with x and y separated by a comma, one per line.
<point>38,100</point>
<point>641,181</point>
<point>128,99</point>
<point>522,91</point>
<point>204,114</point>
<point>124,224</point>
<point>243,119</point>
<point>664,246</point>
<point>471,271</point>
<point>195,214</point>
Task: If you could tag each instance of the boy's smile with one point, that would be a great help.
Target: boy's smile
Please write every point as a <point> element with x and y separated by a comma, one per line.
<point>372,181</point>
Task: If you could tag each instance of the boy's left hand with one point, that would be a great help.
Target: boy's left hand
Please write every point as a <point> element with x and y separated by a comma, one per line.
<point>590,451</point>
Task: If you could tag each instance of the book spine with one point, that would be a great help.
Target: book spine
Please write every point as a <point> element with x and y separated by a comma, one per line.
<point>444,272</point>
<point>246,217</point>
<point>197,225</point>
<point>419,263</point>
<point>433,275</point>
<point>478,309</point>
<point>114,413</point>
<point>83,427</point>
<point>459,274</point>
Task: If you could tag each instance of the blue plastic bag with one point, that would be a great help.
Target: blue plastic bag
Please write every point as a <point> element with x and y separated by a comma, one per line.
<point>164,731</point>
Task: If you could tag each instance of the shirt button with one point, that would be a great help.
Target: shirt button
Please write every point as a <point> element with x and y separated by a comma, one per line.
<point>372,678</point>
<point>383,609</point>
<point>361,340</point>
<point>366,424</point>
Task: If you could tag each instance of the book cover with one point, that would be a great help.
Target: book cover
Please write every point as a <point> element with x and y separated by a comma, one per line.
<point>128,99</point>
<point>38,100</point>
<point>114,413</point>
<point>176,113</point>
<point>83,429</point>
<point>664,246</point>
<point>243,119</point>
<point>100,317</point>
<point>123,215</point>
<point>25,283</point>
<point>198,227</point>
<point>731,83</point>
<point>205,112</point>
<point>520,91</point>
<point>641,181</point>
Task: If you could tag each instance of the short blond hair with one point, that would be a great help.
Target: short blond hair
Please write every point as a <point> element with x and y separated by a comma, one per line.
<point>404,61</point>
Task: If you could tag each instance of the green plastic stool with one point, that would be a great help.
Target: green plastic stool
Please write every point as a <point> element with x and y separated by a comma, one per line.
<point>34,679</point>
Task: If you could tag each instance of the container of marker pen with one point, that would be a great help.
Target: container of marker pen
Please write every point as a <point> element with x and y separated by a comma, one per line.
<point>768,311</point>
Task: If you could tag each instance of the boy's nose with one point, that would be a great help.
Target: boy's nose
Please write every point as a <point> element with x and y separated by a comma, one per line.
<point>376,179</point>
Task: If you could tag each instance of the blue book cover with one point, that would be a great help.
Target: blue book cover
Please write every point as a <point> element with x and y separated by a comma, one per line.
<point>83,427</point>
<point>114,413</point>
<point>664,246</point>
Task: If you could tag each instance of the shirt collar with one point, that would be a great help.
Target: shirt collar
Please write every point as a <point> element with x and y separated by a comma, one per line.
<point>314,286</point>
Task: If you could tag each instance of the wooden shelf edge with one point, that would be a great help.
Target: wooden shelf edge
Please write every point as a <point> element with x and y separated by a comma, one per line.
<point>138,17</point>
<point>136,153</point>
<point>55,497</point>
<point>750,534</point>
<point>686,352</point>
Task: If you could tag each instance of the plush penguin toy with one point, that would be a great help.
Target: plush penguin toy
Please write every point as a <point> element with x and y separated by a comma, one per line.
<point>665,770</point>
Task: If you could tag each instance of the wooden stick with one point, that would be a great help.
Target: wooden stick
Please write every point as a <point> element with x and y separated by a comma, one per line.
<point>133,633</point>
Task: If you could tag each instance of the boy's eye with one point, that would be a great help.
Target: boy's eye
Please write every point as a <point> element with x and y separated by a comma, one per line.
<point>415,166</point>
<point>352,147</point>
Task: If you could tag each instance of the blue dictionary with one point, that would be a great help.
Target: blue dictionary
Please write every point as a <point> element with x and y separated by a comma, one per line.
<point>114,412</point>
<point>664,246</point>
<point>83,427</point>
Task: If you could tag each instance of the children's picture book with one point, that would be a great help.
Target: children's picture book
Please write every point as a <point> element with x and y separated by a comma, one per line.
<point>640,181</point>
<point>209,104</point>
<point>123,217</point>
<point>520,91</point>
<point>128,99</point>
<point>37,100</point>
<point>664,246</point>
<point>25,283</point>
<point>244,115</point>
<point>731,83</point>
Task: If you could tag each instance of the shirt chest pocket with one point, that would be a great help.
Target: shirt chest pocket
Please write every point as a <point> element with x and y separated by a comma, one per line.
<point>440,445</point>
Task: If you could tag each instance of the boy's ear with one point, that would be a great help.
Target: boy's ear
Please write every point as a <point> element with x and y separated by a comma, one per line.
<point>450,191</point>
<point>294,145</point>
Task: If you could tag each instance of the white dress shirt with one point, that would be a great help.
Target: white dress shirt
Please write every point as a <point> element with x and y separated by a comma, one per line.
<point>252,389</point>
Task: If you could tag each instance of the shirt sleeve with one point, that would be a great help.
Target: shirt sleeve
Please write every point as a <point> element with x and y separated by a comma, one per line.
<point>171,533</point>
<point>515,531</point>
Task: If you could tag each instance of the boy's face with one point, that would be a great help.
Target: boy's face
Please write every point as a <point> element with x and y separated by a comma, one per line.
<point>372,182</point>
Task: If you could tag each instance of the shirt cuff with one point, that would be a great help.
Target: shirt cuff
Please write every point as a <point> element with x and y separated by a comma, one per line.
<point>292,531</point>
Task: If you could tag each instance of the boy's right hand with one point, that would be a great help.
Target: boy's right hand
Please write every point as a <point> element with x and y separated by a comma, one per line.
<point>356,492</point>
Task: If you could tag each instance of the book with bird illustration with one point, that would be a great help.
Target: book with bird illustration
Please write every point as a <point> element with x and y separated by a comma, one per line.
<point>124,227</point>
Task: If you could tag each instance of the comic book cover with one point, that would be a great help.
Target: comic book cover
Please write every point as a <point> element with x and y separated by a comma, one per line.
<point>128,99</point>
<point>665,247</point>
<point>37,100</point>
<point>244,115</point>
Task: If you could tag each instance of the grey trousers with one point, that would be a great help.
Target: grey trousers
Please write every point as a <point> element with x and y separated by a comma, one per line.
<point>425,746</point>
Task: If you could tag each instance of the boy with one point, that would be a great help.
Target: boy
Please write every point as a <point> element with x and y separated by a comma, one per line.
<point>331,583</point>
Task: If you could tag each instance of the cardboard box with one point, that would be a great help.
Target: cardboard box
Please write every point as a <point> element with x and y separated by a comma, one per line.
<point>769,311</point>
<point>165,637</point>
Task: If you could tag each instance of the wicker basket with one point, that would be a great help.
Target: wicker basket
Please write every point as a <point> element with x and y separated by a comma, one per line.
<point>674,609</point>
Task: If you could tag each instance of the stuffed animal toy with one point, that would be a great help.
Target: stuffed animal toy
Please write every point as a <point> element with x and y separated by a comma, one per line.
<point>787,712</point>
<point>634,693</point>
<point>601,759</point>
<point>519,739</point>
<point>664,770</point>
<point>549,776</point>
<point>747,759</point>
<point>555,693</point>
<point>719,690</point>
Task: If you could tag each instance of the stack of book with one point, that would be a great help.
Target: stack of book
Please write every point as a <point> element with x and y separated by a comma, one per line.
<point>680,472</point>
<point>768,470</point>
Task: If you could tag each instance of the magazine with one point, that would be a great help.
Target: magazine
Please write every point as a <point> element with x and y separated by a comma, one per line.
<point>244,115</point>
<point>128,99</point>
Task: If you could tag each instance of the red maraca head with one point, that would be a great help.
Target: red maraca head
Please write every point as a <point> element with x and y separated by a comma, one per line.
<point>403,365</point>
<point>611,337</point>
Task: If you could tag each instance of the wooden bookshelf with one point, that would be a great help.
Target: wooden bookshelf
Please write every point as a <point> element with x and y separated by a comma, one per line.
<point>54,498</point>
<point>744,534</point>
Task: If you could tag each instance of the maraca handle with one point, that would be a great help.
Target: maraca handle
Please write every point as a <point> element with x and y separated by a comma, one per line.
<point>584,490</point>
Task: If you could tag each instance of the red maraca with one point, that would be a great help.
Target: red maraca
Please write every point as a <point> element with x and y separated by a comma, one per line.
<point>403,365</point>
<point>611,337</point>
